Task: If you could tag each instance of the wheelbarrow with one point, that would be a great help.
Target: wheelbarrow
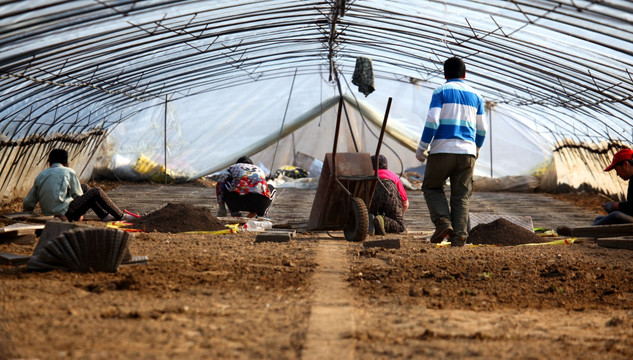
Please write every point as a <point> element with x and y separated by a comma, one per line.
<point>345,189</point>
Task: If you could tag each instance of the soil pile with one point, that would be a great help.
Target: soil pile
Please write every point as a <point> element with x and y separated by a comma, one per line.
<point>502,232</point>
<point>179,217</point>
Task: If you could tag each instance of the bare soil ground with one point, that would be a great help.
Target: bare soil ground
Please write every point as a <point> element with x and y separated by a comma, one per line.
<point>206,296</point>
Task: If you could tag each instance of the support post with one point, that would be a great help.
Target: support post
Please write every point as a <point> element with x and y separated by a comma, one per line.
<point>165,140</point>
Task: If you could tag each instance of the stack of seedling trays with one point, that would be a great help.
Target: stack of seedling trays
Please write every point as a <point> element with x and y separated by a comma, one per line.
<point>83,250</point>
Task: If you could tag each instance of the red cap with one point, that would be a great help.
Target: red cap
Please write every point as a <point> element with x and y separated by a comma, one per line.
<point>622,155</point>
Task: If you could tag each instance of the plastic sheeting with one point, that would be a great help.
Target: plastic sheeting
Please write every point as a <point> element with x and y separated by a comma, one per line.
<point>198,146</point>
<point>192,85</point>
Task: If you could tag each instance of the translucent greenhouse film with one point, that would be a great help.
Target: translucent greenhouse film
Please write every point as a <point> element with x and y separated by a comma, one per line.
<point>189,86</point>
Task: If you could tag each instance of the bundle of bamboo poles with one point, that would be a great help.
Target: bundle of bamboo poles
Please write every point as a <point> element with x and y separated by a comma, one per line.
<point>21,161</point>
<point>581,165</point>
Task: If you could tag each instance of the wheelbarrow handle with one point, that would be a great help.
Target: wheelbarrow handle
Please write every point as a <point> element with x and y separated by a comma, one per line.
<point>338,126</point>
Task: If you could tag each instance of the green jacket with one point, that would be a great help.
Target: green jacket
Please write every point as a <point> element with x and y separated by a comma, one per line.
<point>54,188</point>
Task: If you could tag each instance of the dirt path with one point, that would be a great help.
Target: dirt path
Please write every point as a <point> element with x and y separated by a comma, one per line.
<point>332,318</point>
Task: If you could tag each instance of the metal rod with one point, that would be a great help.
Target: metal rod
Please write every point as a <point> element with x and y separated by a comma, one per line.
<point>349,126</point>
<point>165,139</point>
<point>382,131</point>
<point>490,132</point>
<point>338,126</point>
<point>283,120</point>
<point>349,194</point>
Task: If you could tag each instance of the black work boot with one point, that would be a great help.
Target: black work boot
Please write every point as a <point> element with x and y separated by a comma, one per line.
<point>379,225</point>
<point>443,228</point>
<point>457,241</point>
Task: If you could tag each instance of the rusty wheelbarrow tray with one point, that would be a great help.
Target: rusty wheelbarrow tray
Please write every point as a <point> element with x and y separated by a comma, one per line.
<point>345,189</point>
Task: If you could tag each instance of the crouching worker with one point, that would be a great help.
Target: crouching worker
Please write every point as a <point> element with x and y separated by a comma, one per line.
<point>390,202</point>
<point>620,212</point>
<point>243,187</point>
<point>59,193</point>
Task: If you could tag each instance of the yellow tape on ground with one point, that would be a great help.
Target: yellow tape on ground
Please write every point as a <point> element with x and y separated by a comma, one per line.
<point>548,233</point>
<point>448,244</point>
<point>122,225</point>
<point>567,241</point>
<point>232,228</point>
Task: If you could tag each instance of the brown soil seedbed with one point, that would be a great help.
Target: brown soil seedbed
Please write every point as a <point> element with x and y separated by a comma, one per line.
<point>498,302</point>
<point>206,296</point>
<point>201,296</point>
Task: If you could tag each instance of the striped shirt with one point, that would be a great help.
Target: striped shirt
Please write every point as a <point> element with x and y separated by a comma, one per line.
<point>455,122</point>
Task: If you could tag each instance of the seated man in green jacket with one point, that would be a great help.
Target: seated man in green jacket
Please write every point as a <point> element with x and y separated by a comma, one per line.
<point>60,194</point>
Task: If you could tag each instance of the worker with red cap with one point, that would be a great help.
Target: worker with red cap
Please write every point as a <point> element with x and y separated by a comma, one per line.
<point>620,212</point>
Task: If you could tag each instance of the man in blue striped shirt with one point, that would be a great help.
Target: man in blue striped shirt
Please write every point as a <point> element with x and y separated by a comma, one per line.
<point>455,131</point>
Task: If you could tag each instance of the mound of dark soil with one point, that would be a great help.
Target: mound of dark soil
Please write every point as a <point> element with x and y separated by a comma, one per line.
<point>502,232</point>
<point>179,217</point>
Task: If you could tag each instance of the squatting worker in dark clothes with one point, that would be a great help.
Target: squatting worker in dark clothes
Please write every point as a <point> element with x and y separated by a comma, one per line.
<point>389,202</point>
<point>620,212</point>
<point>455,130</point>
<point>59,193</point>
<point>243,187</point>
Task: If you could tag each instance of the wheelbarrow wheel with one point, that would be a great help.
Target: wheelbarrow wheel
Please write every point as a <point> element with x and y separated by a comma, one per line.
<point>357,225</point>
